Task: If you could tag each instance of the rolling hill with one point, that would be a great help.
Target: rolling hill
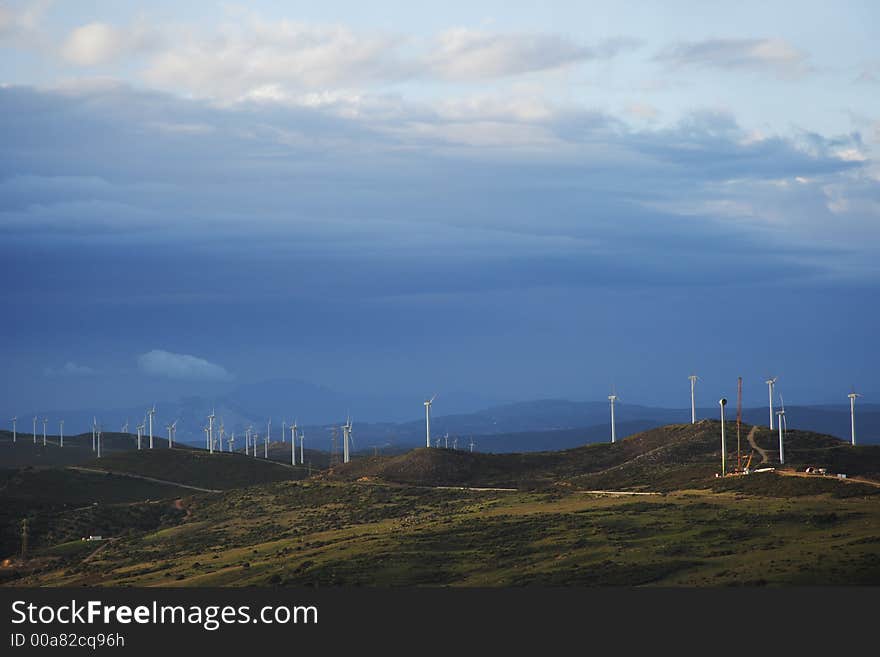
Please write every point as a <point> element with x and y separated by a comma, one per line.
<point>665,458</point>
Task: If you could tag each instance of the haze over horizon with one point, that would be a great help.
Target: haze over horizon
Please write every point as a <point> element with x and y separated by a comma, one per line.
<point>506,201</point>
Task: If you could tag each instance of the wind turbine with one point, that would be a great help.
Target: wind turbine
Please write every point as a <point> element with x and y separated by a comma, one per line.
<point>222,433</point>
<point>61,431</point>
<point>95,432</point>
<point>172,429</point>
<point>771,381</point>
<point>284,430</point>
<point>14,437</point>
<point>302,448</point>
<point>100,437</point>
<point>125,426</point>
<point>723,402</point>
<point>35,430</point>
<point>207,435</point>
<point>612,398</point>
<point>473,444</point>
<point>783,425</point>
<point>694,378</point>
<point>210,436</point>
<point>247,441</point>
<point>446,441</point>
<point>232,443</point>
<point>346,434</point>
<point>293,429</point>
<point>455,443</point>
<point>266,445</point>
<point>852,413</point>
<point>151,413</point>
<point>428,403</point>
<point>268,432</point>
<point>140,431</point>
<point>45,422</point>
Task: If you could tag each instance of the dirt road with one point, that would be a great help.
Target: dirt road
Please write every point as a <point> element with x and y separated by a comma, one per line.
<point>751,439</point>
<point>134,476</point>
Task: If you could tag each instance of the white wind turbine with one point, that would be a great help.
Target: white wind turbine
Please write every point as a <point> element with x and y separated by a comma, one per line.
<point>151,413</point>
<point>222,434</point>
<point>35,430</point>
<point>100,438</point>
<point>61,431</point>
<point>771,381</point>
<point>346,436</point>
<point>94,432</point>
<point>293,429</point>
<point>302,448</point>
<point>852,413</point>
<point>140,431</point>
<point>284,430</point>
<point>209,437</point>
<point>266,445</point>
<point>613,398</point>
<point>723,402</point>
<point>172,430</point>
<point>472,444</point>
<point>125,426</point>
<point>693,378</point>
<point>14,431</point>
<point>783,426</point>
<point>232,443</point>
<point>428,403</point>
<point>45,422</point>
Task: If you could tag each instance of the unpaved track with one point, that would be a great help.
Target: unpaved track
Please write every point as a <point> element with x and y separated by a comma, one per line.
<point>751,439</point>
<point>848,480</point>
<point>134,476</point>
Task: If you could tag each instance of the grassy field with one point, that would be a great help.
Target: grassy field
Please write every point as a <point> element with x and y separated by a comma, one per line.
<point>330,534</point>
<point>402,520</point>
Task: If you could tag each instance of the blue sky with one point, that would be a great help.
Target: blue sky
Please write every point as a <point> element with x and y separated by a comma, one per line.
<point>508,199</point>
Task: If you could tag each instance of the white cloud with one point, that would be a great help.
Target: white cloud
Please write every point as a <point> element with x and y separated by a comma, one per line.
<point>775,56</point>
<point>181,366</point>
<point>465,54</point>
<point>95,44</point>
<point>70,369</point>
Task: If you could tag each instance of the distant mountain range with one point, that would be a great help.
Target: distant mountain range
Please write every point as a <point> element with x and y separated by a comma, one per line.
<point>397,422</point>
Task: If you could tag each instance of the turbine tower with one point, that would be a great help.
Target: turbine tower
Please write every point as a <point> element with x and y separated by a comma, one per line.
<point>302,449</point>
<point>232,443</point>
<point>125,426</point>
<point>45,422</point>
<point>694,378</point>
<point>781,423</point>
<point>35,430</point>
<point>100,437</point>
<point>266,445</point>
<point>346,436</point>
<point>172,429</point>
<point>61,431</point>
<point>293,429</point>
<point>284,430</point>
<point>140,430</point>
<point>723,402</point>
<point>771,381</point>
<point>268,432</point>
<point>852,414</point>
<point>428,403</point>
<point>209,437</point>
<point>612,398</point>
<point>95,432</point>
<point>151,413</point>
<point>14,420</point>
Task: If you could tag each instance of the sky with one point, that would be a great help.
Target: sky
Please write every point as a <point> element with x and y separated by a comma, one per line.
<point>511,200</point>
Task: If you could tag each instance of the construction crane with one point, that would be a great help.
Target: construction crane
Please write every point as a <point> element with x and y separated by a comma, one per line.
<point>739,415</point>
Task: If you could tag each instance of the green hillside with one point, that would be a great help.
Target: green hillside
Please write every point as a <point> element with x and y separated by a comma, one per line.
<point>199,468</point>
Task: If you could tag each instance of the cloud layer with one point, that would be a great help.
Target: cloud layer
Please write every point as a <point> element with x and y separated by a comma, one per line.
<point>181,366</point>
